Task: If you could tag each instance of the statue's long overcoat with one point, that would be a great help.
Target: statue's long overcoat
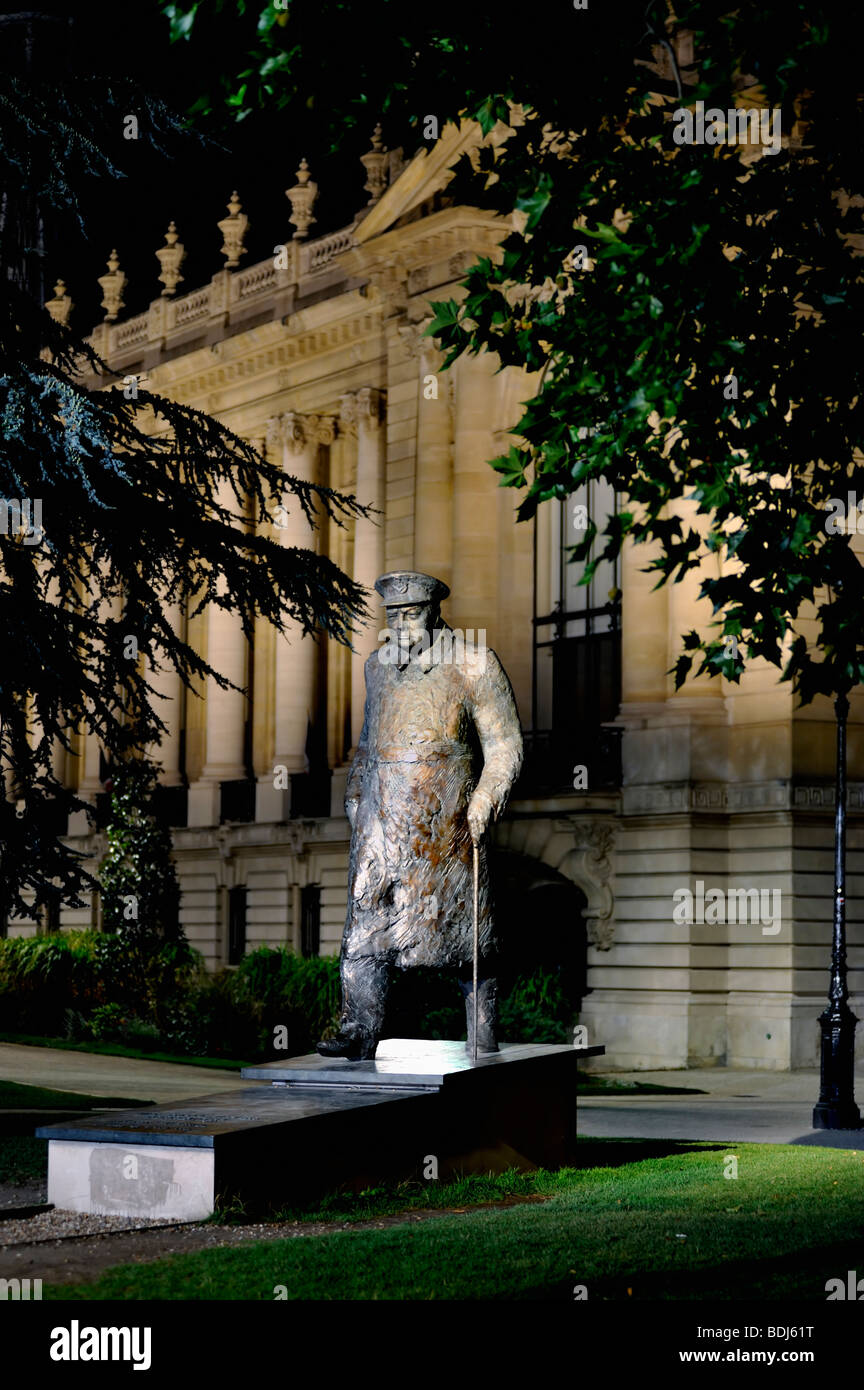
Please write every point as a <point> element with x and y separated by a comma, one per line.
<point>432,732</point>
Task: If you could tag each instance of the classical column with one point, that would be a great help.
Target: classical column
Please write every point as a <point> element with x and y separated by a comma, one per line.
<point>89,784</point>
<point>688,611</point>
<point>343,477</point>
<point>225,713</point>
<point>433,535</point>
<point>295,438</point>
<point>475,498</point>
<point>644,627</point>
<point>165,682</point>
<point>368,537</point>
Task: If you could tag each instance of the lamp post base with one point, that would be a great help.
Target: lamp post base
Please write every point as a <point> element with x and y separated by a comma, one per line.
<point>836,1108</point>
<point>840,1115</point>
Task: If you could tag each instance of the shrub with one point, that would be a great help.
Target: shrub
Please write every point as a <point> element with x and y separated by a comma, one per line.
<point>428,1003</point>
<point>108,1023</point>
<point>79,985</point>
<point>42,976</point>
<point>425,1003</point>
<point>281,988</point>
<point>536,1010</point>
<point>140,888</point>
<point>208,1021</point>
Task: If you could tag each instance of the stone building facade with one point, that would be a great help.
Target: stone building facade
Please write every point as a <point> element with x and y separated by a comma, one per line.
<point>632,791</point>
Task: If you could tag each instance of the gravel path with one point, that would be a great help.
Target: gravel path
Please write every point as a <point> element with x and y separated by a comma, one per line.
<point>56,1225</point>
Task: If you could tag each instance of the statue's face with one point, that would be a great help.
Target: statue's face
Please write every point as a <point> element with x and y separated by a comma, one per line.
<point>410,623</point>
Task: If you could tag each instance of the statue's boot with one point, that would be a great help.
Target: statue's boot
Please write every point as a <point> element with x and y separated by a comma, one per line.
<point>365,985</point>
<point>357,1045</point>
<point>487,1014</point>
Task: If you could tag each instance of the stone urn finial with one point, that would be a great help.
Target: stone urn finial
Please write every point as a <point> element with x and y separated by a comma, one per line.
<point>233,228</point>
<point>113,285</point>
<point>61,306</point>
<point>302,197</point>
<point>171,256</point>
<point>375,164</point>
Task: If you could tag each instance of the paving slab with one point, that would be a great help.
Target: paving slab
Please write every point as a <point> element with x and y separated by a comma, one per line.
<point>92,1074</point>
<point>752,1084</point>
<point>752,1107</point>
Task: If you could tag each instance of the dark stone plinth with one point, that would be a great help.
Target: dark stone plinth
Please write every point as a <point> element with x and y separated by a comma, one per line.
<point>323,1124</point>
<point>405,1062</point>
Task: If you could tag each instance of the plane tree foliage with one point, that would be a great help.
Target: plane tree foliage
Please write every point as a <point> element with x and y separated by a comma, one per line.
<point>691,310</point>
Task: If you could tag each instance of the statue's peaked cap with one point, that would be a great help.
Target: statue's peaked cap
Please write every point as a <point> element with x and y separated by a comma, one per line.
<point>403,587</point>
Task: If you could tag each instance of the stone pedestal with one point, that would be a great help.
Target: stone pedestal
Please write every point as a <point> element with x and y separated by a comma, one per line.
<point>323,1124</point>
<point>272,803</point>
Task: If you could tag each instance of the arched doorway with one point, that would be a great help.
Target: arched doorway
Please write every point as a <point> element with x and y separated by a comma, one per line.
<point>542,971</point>
<point>541,924</point>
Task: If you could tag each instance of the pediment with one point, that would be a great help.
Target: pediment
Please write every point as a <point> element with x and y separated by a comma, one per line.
<point>426,174</point>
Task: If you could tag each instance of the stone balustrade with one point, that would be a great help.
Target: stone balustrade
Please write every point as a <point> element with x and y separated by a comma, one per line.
<point>231,296</point>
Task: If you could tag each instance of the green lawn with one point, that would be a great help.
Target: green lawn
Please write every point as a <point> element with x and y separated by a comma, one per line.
<point>668,1227</point>
<point>392,1198</point>
<point>14,1096</point>
<point>23,1159</point>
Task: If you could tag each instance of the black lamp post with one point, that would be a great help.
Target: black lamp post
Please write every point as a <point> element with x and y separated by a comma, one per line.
<point>836,1108</point>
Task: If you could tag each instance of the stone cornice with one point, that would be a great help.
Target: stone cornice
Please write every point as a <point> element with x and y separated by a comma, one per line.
<point>433,238</point>
<point>298,837</point>
<point>721,798</point>
<point>259,353</point>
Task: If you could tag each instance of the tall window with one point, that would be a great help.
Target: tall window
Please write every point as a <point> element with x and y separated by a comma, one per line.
<point>310,920</point>
<point>237,899</point>
<point>577,647</point>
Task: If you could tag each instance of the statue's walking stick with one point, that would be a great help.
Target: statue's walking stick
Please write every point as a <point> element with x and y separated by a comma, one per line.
<point>476,939</point>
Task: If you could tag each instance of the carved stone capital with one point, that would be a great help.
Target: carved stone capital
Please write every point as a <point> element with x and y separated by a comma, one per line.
<point>274,435</point>
<point>348,414</point>
<point>326,429</point>
<point>298,432</point>
<point>370,407</point>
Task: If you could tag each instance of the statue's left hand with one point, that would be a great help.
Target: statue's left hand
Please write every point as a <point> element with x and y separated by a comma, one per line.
<point>480,809</point>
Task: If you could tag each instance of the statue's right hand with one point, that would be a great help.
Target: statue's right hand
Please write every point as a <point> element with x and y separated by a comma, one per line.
<point>351,810</point>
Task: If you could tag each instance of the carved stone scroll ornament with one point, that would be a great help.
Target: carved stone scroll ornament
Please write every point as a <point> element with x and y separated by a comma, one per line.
<point>590,866</point>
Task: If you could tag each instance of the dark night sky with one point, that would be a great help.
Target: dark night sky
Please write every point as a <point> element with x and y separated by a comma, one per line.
<point>259,156</point>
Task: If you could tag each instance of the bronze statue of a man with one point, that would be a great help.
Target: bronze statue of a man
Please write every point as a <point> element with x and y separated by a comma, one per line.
<point>440,750</point>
